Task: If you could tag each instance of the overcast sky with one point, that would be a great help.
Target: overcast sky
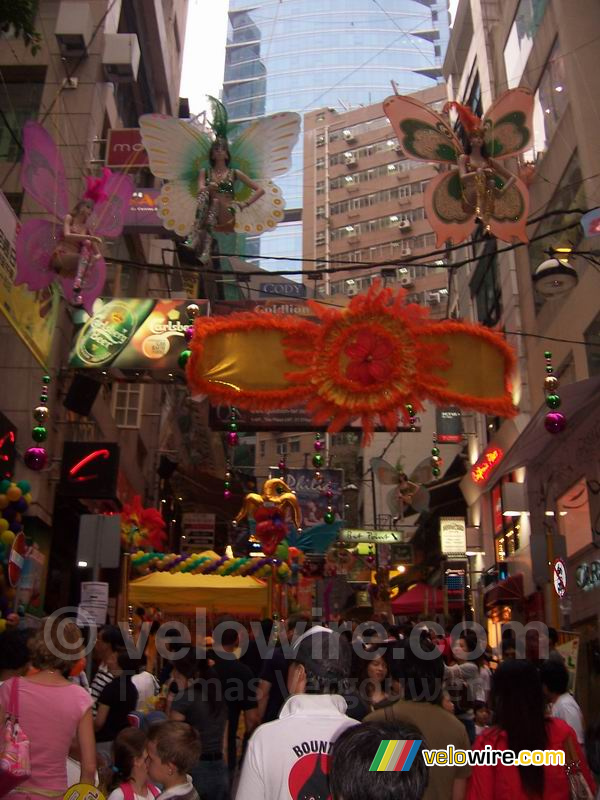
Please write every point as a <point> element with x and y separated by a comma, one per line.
<point>204,53</point>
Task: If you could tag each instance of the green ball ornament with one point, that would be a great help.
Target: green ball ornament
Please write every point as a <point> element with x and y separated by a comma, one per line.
<point>43,397</point>
<point>547,354</point>
<point>329,517</point>
<point>184,358</point>
<point>553,401</point>
<point>317,460</point>
<point>435,451</point>
<point>549,370</point>
<point>46,379</point>
<point>39,433</point>
<point>436,471</point>
<point>233,426</point>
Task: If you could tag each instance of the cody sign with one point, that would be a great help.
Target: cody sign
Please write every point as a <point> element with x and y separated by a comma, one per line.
<point>124,148</point>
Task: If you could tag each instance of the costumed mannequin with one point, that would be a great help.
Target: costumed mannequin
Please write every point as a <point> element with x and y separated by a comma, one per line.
<point>70,250</point>
<point>480,188</point>
<point>221,184</point>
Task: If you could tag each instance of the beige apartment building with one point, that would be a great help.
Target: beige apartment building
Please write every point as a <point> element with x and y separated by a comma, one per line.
<point>542,501</point>
<point>102,63</point>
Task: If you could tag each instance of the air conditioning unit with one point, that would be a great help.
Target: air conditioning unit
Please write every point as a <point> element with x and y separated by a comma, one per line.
<point>121,57</point>
<point>351,291</point>
<point>349,136</point>
<point>405,225</point>
<point>434,298</point>
<point>353,214</point>
<point>405,251</point>
<point>74,28</point>
<point>320,140</point>
<point>406,281</point>
<point>350,159</point>
<point>404,201</point>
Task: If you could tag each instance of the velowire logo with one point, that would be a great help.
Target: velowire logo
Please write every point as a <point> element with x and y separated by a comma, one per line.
<point>395,755</point>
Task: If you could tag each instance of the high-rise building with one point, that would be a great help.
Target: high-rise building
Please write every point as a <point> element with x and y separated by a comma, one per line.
<point>302,55</point>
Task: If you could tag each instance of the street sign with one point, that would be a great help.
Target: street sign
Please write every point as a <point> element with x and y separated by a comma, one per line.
<point>16,559</point>
<point>356,535</point>
<point>559,571</point>
<point>199,531</point>
<point>453,535</point>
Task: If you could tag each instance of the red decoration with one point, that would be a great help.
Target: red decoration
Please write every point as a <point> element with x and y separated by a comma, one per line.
<point>486,464</point>
<point>142,528</point>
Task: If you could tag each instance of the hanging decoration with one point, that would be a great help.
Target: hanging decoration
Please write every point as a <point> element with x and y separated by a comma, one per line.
<point>436,461</point>
<point>210,564</point>
<point>15,499</point>
<point>36,456</point>
<point>555,421</point>
<point>478,187</point>
<point>219,184</point>
<point>376,360</point>
<point>141,528</point>
<point>408,495</point>
<point>68,249</point>
<point>269,511</point>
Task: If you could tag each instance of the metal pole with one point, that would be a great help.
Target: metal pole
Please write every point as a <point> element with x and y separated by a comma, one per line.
<point>374,498</point>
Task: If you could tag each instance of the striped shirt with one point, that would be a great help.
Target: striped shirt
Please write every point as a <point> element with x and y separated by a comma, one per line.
<point>101,679</point>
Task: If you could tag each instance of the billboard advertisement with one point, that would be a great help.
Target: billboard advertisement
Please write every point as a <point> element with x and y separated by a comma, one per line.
<point>449,428</point>
<point>133,333</point>
<point>33,315</point>
<point>124,148</point>
<point>142,214</point>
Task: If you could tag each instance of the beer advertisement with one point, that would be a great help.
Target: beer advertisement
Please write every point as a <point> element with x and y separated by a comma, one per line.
<point>133,333</point>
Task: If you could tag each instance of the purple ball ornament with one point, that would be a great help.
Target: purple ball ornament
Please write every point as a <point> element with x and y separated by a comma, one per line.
<point>318,445</point>
<point>188,333</point>
<point>329,494</point>
<point>232,438</point>
<point>36,458</point>
<point>555,422</point>
<point>227,494</point>
<point>281,466</point>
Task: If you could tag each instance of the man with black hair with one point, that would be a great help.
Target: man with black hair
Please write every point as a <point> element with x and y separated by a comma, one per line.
<point>106,650</point>
<point>419,667</point>
<point>354,752</point>
<point>290,756</point>
<point>555,683</point>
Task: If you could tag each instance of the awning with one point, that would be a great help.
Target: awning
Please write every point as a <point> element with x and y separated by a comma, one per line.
<point>184,592</point>
<point>505,592</point>
<point>424,599</point>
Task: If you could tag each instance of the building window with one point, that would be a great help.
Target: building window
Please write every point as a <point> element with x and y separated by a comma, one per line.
<point>550,103</point>
<point>320,212</point>
<point>20,99</point>
<point>320,163</point>
<point>485,287</point>
<point>520,39</point>
<point>295,446</point>
<point>592,340</point>
<point>321,187</point>
<point>127,404</point>
<point>282,447</point>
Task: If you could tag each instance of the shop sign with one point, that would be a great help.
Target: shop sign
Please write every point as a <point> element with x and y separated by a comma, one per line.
<point>453,535</point>
<point>355,535</point>
<point>284,289</point>
<point>89,470</point>
<point>449,429</point>
<point>199,530</point>
<point>486,464</point>
<point>559,573</point>
<point>142,214</point>
<point>133,333</point>
<point>587,576</point>
<point>124,148</point>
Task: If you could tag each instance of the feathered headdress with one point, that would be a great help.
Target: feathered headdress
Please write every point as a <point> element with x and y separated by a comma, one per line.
<point>95,190</point>
<point>220,120</point>
<point>469,120</point>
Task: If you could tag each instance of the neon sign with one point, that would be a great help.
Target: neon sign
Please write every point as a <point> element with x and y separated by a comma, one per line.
<point>486,464</point>
<point>73,472</point>
<point>89,470</point>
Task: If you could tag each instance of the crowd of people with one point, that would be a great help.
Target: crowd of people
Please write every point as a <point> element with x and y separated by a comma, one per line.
<point>294,712</point>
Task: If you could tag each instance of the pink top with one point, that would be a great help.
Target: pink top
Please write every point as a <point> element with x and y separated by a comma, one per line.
<point>49,715</point>
<point>504,783</point>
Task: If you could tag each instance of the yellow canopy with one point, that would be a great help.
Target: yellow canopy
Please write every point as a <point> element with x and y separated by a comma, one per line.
<point>184,592</point>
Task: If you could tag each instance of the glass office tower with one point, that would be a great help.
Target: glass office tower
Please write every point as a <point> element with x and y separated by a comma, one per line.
<point>300,55</point>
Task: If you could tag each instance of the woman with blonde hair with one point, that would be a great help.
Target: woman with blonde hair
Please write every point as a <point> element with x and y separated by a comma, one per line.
<point>52,711</point>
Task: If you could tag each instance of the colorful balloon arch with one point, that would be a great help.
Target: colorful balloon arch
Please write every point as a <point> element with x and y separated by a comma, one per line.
<point>207,564</point>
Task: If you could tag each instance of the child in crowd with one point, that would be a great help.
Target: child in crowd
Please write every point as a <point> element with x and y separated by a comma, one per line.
<point>173,749</point>
<point>482,717</point>
<point>130,770</point>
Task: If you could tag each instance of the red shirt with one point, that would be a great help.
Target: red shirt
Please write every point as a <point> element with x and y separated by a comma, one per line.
<point>504,783</point>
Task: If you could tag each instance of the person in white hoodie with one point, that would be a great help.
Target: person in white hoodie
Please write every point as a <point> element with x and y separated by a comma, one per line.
<point>289,758</point>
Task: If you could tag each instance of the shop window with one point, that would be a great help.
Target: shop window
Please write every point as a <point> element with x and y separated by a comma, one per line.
<point>520,39</point>
<point>295,446</point>
<point>282,447</point>
<point>127,404</point>
<point>573,509</point>
<point>550,103</point>
<point>485,287</point>
<point>592,350</point>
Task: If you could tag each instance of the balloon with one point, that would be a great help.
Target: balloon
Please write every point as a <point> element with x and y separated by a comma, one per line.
<point>4,484</point>
<point>28,496</point>
<point>16,527</point>
<point>7,537</point>
<point>14,493</point>
<point>9,513</point>
<point>4,501</point>
<point>3,524</point>
<point>25,487</point>
<point>21,504</point>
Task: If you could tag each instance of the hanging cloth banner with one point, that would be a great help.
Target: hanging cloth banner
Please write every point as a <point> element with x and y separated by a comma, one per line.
<point>368,361</point>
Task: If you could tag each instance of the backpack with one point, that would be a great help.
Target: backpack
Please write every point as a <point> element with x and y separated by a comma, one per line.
<point>129,794</point>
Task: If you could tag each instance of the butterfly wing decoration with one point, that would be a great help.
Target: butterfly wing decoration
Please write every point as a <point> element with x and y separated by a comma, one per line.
<point>177,151</point>
<point>43,177</point>
<point>445,209</point>
<point>108,216</point>
<point>384,472</point>
<point>263,151</point>
<point>421,132</point>
<point>508,124</point>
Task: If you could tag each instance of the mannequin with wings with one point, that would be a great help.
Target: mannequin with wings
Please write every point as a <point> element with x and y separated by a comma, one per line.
<point>219,184</point>
<point>478,187</point>
<point>67,249</point>
<point>408,495</point>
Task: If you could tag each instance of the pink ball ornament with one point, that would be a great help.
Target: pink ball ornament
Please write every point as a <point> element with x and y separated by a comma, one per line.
<point>318,445</point>
<point>227,494</point>
<point>188,333</point>
<point>232,439</point>
<point>36,458</point>
<point>555,422</point>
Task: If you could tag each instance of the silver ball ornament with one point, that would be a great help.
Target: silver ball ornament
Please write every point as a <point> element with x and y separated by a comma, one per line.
<point>41,414</point>
<point>193,309</point>
<point>550,383</point>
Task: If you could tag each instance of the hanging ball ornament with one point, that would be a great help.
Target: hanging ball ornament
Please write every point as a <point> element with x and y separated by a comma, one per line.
<point>553,401</point>
<point>317,460</point>
<point>281,465</point>
<point>184,358</point>
<point>318,445</point>
<point>435,471</point>
<point>550,383</point>
<point>329,517</point>
<point>39,433</point>
<point>193,309</point>
<point>41,414</point>
<point>36,458</point>
<point>555,422</point>
<point>227,494</point>
<point>188,333</point>
<point>232,438</point>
